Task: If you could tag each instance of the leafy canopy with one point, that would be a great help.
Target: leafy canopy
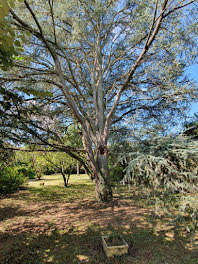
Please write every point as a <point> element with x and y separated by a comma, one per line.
<point>10,39</point>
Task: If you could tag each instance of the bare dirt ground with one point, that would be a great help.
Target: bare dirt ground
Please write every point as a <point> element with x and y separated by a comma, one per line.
<point>19,216</point>
<point>52,225</point>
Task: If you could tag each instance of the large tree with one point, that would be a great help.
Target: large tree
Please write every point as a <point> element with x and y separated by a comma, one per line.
<point>102,62</point>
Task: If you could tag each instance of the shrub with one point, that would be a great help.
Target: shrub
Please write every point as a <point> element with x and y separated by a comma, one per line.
<point>10,180</point>
<point>49,171</point>
<point>27,172</point>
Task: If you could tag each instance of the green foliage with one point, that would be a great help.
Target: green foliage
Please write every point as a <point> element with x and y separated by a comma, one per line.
<point>7,99</point>
<point>7,157</point>
<point>10,180</point>
<point>169,163</point>
<point>10,40</point>
<point>49,170</point>
<point>119,142</point>
<point>27,172</point>
<point>191,128</point>
<point>35,164</point>
<point>10,175</point>
<point>168,170</point>
<point>117,173</point>
<point>58,160</point>
<point>5,6</point>
<point>72,136</point>
<point>35,92</point>
<point>116,169</point>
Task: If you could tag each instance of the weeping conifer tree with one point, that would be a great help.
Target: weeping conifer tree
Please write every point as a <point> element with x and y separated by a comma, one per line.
<point>165,170</point>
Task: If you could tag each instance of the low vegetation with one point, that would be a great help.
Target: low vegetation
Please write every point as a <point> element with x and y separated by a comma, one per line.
<point>10,180</point>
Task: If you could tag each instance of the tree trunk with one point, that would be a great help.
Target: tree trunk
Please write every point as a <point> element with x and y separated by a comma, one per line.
<point>97,158</point>
<point>102,181</point>
<point>68,176</point>
<point>77,168</point>
<point>65,181</point>
<point>103,189</point>
<point>64,178</point>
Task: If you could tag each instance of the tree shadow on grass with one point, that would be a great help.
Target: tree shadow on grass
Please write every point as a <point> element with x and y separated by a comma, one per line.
<point>54,193</point>
<point>60,193</point>
<point>71,232</point>
<point>61,246</point>
<point>9,212</point>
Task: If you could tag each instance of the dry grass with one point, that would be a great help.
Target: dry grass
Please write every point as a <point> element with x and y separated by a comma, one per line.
<point>52,224</point>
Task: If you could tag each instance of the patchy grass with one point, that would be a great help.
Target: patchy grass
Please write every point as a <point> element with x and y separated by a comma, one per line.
<point>53,224</point>
<point>59,193</point>
<point>57,179</point>
<point>71,246</point>
<point>51,188</point>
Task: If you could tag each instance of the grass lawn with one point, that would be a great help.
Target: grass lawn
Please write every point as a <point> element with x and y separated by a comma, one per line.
<point>80,187</point>
<point>52,224</point>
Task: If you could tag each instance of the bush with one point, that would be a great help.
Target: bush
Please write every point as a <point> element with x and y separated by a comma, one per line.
<point>49,171</point>
<point>27,172</point>
<point>10,180</point>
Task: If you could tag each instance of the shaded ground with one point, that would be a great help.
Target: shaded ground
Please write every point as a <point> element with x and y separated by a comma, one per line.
<point>51,224</point>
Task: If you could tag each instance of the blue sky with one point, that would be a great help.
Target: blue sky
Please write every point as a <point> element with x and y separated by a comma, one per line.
<point>193,72</point>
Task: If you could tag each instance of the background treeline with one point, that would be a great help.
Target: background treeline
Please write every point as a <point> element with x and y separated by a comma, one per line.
<point>168,163</point>
<point>17,167</point>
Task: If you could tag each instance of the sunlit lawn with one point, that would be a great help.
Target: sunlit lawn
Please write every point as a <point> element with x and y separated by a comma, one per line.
<point>51,187</point>
<point>53,224</point>
<point>57,179</point>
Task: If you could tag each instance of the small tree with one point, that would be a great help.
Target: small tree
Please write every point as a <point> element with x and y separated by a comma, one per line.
<point>33,160</point>
<point>39,164</point>
<point>61,162</point>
